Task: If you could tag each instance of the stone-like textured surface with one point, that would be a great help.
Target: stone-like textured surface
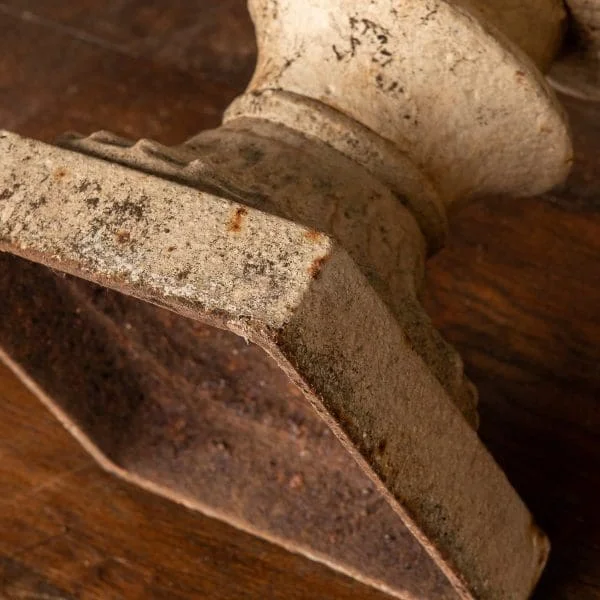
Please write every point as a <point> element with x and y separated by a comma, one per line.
<point>193,250</point>
<point>208,420</point>
<point>528,334</point>
<point>466,104</point>
<point>271,168</point>
<point>304,307</point>
<point>313,311</point>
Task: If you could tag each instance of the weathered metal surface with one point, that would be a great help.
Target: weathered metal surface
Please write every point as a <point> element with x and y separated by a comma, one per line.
<point>207,419</point>
<point>308,306</point>
<point>270,168</point>
<point>453,84</point>
<point>302,226</point>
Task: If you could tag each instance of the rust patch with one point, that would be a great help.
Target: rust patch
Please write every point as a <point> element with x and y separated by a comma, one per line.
<point>235,224</point>
<point>312,235</point>
<point>123,236</point>
<point>317,266</point>
<point>60,173</point>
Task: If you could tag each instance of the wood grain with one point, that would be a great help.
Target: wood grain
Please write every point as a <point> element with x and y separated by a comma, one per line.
<point>517,290</point>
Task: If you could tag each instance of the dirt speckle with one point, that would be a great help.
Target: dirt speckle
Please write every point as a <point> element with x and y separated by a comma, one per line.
<point>235,224</point>
<point>317,265</point>
<point>129,208</point>
<point>60,173</point>
<point>123,237</point>
<point>6,194</point>
<point>183,274</point>
<point>252,154</point>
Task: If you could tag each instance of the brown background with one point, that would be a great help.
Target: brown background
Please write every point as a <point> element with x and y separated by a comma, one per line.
<point>517,290</point>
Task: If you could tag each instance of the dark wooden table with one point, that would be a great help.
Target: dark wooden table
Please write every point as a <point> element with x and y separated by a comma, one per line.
<point>517,290</point>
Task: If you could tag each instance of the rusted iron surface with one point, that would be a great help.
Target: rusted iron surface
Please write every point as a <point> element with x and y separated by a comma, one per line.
<point>302,226</point>
<point>209,419</point>
<point>313,310</point>
<point>270,168</point>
